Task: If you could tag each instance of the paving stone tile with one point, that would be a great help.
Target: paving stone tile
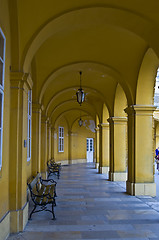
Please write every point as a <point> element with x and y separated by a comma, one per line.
<point>100,235</point>
<point>145,233</point>
<point>91,207</point>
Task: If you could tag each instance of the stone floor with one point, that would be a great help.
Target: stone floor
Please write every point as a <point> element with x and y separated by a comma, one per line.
<point>91,207</point>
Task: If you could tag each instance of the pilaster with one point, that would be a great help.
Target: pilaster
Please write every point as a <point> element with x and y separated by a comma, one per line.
<point>36,138</point>
<point>69,146</point>
<point>140,150</point>
<point>48,140</point>
<point>104,158</point>
<point>20,84</point>
<point>44,122</point>
<point>97,148</point>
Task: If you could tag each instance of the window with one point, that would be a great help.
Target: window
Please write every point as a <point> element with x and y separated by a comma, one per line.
<point>29,126</point>
<point>61,139</point>
<point>2,69</point>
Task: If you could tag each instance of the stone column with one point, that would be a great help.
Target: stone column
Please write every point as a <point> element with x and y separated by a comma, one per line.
<point>100,149</point>
<point>20,84</point>
<point>104,165</point>
<point>36,138</point>
<point>97,148</point>
<point>44,145</point>
<point>118,146</point>
<point>140,150</point>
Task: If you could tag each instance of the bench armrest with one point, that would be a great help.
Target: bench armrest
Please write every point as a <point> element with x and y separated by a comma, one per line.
<point>48,180</point>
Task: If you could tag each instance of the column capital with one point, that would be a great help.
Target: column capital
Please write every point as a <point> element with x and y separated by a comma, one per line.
<point>140,110</point>
<point>117,120</point>
<point>44,119</point>
<point>52,128</point>
<point>69,132</point>
<point>103,125</point>
<point>20,80</point>
<point>96,129</point>
<point>49,125</point>
<point>36,107</point>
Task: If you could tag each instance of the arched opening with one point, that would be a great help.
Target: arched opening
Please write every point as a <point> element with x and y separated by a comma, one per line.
<point>156,132</point>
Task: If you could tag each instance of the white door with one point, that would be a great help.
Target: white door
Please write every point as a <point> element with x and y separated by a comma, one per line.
<point>89,149</point>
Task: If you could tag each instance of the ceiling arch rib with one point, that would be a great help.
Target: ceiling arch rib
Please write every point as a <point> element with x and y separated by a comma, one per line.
<point>55,100</point>
<point>89,68</point>
<point>71,114</point>
<point>120,18</point>
<point>81,116</point>
<point>70,104</point>
<point>85,66</point>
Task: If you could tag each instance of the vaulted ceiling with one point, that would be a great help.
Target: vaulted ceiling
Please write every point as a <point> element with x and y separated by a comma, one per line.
<point>105,39</point>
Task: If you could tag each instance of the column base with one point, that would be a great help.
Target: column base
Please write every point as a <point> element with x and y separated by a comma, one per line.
<point>104,170</point>
<point>118,176</point>
<point>19,219</point>
<point>96,165</point>
<point>138,189</point>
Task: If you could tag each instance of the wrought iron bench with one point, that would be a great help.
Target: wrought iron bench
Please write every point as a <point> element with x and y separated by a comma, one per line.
<point>53,168</point>
<point>43,192</point>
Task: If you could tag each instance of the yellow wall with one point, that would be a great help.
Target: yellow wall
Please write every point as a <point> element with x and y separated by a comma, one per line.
<point>78,139</point>
<point>60,156</point>
<point>4,181</point>
<point>79,136</point>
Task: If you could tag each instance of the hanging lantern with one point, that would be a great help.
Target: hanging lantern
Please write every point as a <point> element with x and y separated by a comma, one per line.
<point>80,122</point>
<point>80,93</point>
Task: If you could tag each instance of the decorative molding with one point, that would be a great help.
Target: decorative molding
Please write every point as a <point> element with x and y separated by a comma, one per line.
<point>104,125</point>
<point>4,216</point>
<point>140,110</point>
<point>36,107</point>
<point>117,120</point>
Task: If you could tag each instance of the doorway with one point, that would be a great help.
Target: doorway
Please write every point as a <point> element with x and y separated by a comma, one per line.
<point>90,149</point>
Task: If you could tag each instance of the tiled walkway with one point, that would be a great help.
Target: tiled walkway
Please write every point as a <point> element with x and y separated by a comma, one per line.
<point>90,207</point>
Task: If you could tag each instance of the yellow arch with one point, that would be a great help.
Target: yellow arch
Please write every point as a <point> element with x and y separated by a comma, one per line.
<point>120,102</point>
<point>146,78</point>
<point>105,114</point>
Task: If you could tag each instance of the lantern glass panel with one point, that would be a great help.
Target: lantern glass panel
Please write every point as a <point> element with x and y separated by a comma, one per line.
<point>80,122</point>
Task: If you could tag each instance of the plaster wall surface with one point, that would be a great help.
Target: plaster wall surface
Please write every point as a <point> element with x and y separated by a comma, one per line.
<point>4,172</point>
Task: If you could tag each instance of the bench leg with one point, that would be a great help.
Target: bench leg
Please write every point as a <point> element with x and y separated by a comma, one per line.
<point>53,214</point>
<point>55,192</point>
<point>32,212</point>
